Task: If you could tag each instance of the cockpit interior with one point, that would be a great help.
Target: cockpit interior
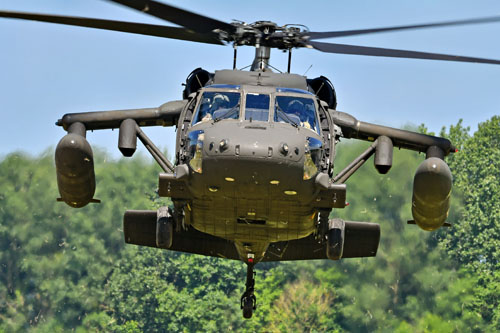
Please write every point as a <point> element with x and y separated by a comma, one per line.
<point>292,106</point>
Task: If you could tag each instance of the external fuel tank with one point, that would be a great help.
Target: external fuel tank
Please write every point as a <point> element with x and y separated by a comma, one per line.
<point>431,193</point>
<point>75,168</point>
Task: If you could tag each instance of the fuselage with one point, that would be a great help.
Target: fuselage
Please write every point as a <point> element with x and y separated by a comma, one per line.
<point>253,153</point>
<point>258,194</point>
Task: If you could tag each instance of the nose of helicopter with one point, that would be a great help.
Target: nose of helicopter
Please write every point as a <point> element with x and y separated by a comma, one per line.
<point>244,153</point>
<point>251,141</point>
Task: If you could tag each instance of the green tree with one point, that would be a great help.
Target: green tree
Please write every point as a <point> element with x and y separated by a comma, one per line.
<point>304,306</point>
<point>474,240</point>
<point>55,260</point>
<point>172,292</point>
<point>64,269</point>
<point>411,276</point>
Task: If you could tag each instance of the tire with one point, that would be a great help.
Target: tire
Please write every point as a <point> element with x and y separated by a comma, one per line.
<point>247,308</point>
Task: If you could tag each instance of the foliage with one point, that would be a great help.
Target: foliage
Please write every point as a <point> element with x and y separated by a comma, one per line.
<point>475,240</point>
<point>304,307</point>
<point>64,269</point>
<point>55,260</point>
<point>164,291</point>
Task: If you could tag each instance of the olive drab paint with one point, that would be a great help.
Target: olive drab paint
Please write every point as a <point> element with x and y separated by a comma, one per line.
<point>75,167</point>
<point>431,193</point>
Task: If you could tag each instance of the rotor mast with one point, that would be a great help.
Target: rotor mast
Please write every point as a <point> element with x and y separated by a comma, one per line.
<point>261,60</point>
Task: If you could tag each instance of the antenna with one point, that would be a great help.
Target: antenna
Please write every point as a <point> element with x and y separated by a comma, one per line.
<point>307,70</point>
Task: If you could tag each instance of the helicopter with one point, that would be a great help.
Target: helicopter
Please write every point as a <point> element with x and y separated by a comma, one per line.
<point>253,177</point>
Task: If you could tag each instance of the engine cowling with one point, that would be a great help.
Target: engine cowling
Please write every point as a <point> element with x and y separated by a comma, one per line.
<point>75,169</point>
<point>324,89</point>
<point>431,193</point>
<point>197,79</point>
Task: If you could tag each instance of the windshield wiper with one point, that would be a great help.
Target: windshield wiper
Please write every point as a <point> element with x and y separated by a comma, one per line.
<point>228,113</point>
<point>286,118</point>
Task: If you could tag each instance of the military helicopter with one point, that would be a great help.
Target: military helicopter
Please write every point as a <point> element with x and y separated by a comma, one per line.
<point>253,177</point>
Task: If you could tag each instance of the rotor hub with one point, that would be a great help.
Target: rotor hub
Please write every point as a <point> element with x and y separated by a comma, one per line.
<point>267,34</point>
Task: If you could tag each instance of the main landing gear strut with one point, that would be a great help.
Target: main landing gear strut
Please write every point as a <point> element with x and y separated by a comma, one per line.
<point>248,300</point>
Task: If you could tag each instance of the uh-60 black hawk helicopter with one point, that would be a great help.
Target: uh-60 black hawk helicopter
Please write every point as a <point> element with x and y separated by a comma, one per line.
<point>253,176</point>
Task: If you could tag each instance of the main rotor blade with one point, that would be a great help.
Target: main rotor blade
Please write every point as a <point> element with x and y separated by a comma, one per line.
<point>136,28</point>
<point>190,20</point>
<point>382,52</point>
<point>330,34</point>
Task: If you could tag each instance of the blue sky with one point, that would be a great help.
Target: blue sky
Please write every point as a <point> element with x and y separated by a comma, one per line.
<point>48,70</point>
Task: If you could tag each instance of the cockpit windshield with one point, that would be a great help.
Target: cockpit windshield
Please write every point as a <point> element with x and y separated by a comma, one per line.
<point>297,111</point>
<point>294,110</point>
<point>217,105</point>
<point>257,107</point>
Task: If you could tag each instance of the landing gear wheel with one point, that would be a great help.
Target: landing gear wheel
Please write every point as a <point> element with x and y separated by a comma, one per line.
<point>248,304</point>
<point>164,228</point>
<point>248,301</point>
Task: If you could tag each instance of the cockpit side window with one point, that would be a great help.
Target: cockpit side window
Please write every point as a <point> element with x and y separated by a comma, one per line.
<point>297,111</point>
<point>218,105</point>
<point>257,107</point>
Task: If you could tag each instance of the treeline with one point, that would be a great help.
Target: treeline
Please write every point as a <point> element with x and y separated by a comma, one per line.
<point>64,269</point>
